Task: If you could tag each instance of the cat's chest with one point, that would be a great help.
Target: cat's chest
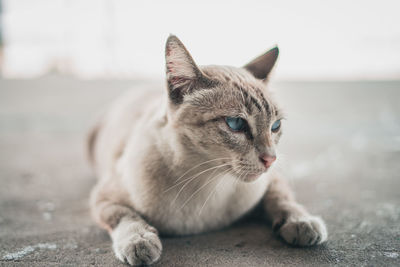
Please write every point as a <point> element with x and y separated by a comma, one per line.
<point>203,207</point>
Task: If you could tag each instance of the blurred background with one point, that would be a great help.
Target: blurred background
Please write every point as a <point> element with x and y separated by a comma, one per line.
<point>319,40</point>
<point>338,78</point>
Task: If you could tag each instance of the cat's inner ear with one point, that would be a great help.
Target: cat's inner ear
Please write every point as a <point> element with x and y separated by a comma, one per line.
<point>182,72</point>
<point>261,66</point>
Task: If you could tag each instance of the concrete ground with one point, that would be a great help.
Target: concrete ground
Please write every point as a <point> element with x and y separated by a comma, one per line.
<point>341,150</point>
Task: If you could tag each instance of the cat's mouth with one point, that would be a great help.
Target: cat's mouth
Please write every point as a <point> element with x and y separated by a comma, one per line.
<point>251,177</point>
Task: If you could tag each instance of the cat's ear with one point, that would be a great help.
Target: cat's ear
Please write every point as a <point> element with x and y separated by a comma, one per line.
<point>261,66</point>
<point>182,72</point>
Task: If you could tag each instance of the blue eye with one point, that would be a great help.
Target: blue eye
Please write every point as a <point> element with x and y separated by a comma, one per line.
<point>235,123</point>
<point>275,127</point>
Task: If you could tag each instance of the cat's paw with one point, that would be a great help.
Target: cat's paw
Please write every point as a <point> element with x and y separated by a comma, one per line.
<point>302,231</point>
<point>136,244</point>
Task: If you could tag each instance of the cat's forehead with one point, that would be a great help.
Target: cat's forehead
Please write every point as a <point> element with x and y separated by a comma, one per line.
<point>231,75</point>
<point>238,85</point>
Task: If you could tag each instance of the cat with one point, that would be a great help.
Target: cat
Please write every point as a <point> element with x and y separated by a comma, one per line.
<point>193,158</point>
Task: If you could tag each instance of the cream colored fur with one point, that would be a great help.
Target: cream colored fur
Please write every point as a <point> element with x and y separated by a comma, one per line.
<point>163,167</point>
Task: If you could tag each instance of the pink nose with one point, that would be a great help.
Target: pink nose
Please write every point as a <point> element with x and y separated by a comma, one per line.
<point>267,160</point>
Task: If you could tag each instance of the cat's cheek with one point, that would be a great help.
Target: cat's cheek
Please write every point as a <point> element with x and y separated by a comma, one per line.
<point>277,137</point>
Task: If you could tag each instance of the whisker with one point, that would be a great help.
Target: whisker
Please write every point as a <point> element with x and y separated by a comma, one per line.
<point>209,196</point>
<point>198,165</point>
<point>192,178</point>
<point>237,179</point>
<point>204,185</point>
<point>195,176</point>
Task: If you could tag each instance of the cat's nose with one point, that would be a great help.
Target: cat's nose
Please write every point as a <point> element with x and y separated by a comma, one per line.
<point>267,160</point>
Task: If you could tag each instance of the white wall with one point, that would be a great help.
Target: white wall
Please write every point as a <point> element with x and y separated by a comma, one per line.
<point>339,39</point>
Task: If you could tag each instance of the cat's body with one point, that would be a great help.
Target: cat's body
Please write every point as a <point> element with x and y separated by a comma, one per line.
<point>130,121</point>
<point>169,161</point>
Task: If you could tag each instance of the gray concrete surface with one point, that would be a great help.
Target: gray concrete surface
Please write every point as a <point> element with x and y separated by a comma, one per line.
<point>341,150</point>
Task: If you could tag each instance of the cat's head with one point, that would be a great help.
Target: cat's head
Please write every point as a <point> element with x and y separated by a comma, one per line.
<point>224,113</point>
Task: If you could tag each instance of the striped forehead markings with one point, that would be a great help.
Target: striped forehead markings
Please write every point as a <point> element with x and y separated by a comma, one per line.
<point>250,100</point>
<point>264,101</point>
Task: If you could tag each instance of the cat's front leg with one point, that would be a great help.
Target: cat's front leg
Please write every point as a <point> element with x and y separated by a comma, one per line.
<point>134,240</point>
<point>289,219</point>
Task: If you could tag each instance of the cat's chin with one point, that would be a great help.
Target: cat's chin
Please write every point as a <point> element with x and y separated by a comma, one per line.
<point>250,177</point>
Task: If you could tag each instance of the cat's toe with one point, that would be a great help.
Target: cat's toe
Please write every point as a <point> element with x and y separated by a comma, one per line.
<point>136,245</point>
<point>305,231</point>
<point>139,250</point>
